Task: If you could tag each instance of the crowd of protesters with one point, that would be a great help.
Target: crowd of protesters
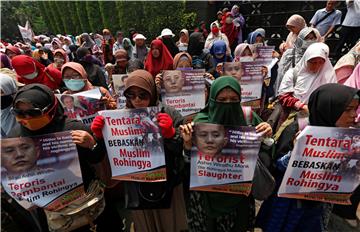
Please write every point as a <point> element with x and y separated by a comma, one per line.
<point>304,80</point>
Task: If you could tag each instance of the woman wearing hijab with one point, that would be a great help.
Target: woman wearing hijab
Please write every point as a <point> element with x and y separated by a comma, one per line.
<point>256,37</point>
<point>166,37</point>
<point>285,214</point>
<point>210,211</point>
<point>60,58</point>
<point>90,63</point>
<point>140,91</point>
<point>201,58</point>
<point>38,112</point>
<point>230,30</point>
<point>294,24</point>
<point>31,71</point>
<point>76,80</point>
<point>141,51</point>
<point>182,60</point>
<point>87,42</point>
<point>127,45</point>
<point>183,42</point>
<point>346,64</point>
<point>214,35</point>
<point>56,44</point>
<point>354,82</point>
<point>12,51</point>
<point>313,70</point>
<point>5,61</point>
<point>218,51</point>
<point>107,46</point>
<point>239,22</point>
<point>243,53</point>
<point>292,56</point>
<point>8,89</point>
<point>159,58</point>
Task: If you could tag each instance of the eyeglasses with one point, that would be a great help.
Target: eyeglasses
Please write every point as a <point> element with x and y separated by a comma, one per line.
<point>141,95</point>
<point>35,112</point>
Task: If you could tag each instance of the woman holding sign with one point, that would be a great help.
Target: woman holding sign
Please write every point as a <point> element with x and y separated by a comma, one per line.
<point>221,211</point>
<point>38,112</point>
<point>284,214</point>
<point>168,211</point>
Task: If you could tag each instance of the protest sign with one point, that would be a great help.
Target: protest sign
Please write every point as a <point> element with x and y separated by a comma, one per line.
<point>184,90</point>
<point>264,53</point>
<point>324,165</point>
<point>134,144</point>
<point>223,159</point>
<point>26,32</point>
<point>250,77</point>
<point>82,106</point>
<point>119,87</point>
<point>41,171</point>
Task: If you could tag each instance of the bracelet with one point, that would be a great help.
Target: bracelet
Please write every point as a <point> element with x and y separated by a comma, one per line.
<point>94,147</point>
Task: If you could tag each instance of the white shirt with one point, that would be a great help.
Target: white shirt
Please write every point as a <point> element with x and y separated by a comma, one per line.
<point>332,20</point>
<point>352,17</point>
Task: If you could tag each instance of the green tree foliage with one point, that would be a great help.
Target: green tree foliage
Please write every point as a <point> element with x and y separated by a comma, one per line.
<point>76,17</point>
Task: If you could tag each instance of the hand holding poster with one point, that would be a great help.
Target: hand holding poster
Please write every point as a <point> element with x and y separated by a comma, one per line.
<point>324,165</point>
<point>82,106</point>
<point>41,171</point>
<point>134,144</point>
<point>223,158</point>
<point>184,90</point>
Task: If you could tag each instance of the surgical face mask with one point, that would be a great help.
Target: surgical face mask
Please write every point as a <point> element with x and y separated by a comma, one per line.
<point>228,20</point>
<point>35,123</point>
<point>31,75</point>
<point>74,84</point>
<point>307,43</point>
<point>246,59</point>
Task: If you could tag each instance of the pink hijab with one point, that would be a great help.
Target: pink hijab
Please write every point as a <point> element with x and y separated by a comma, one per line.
<point>354,81</point>
<point>296,21</point>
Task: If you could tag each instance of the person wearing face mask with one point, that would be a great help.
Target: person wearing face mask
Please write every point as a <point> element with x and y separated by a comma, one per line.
<point>214,35</point>
<point>218,51</point>
<point>168,214</point>
<point>209,211</point>
<point>243,53</point>
<point>326,109</point>
<point>230,30</point>
<point>60,58</point>
<point>31,71</point>
<point>201,58</point>
<point>75,79</point>
<point>346,64</point>
<point>292,56</point>
<point>38,112</point>
<point>166,37</point>
<point>8,88</point>
<point>159,58</point>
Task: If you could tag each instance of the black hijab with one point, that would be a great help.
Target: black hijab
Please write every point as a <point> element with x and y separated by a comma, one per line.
<point>328,102</point>
<point>196,44</point>
<point>171,46</point>
<point>40,96</point>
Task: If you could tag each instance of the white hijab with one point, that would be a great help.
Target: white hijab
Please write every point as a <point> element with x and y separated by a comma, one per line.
<point>8,87</point>
<point>300,81</point>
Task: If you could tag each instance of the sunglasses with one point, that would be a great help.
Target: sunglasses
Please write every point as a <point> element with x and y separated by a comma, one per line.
<point>133,96</point>
<point>35,112</point>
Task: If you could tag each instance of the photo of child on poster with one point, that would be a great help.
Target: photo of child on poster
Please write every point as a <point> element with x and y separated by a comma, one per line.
<point>184,90</point>
<point>35,171</point>
<point>119,81</point>
<point>223,159</point>
<point>81,107</point>
<point>134,144</point>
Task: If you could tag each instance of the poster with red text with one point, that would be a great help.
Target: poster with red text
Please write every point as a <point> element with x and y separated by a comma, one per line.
<point>324,165</point>
<point>82,106</point>
<point>134,144</point>
<point>41,171</point>
<point>184,90</point>
<point>223,159</point>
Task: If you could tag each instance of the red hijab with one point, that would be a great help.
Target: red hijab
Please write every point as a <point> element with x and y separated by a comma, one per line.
<point>25,65</point>
<point>229,29</point>
<point>163,62</point>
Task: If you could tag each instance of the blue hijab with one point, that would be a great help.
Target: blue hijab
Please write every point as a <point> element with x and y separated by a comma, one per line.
<point>218,47</point>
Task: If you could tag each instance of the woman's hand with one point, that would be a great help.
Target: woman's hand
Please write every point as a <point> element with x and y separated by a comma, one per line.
<point>219,68</point>
<point>305,109</point>
<point>264,128</point>
<point>159,80</point>
<point>186,133</point>
<point>83,139</point>
<point>209,76</point>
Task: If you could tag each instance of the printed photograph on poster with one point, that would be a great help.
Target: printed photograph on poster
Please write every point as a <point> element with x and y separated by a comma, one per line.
<point>81,107</point>
<point>250,77</point>
<point>264,53</point>
<point>134,144</point>
<point>119,81</point>
<point>41,171</point>
<point>223,159</point>
<point>184,90</point>
<point>324,165</point>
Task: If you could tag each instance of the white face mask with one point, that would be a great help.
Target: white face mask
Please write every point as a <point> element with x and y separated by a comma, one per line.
<point>31,75</point>
<point>246,59</point>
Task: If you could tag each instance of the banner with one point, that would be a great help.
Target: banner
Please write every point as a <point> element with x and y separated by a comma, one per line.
<point>41,171</point>
<point>264,53</point>
<point>82,106</point>
<point>134,144</point>
<point>119,87</point>
<point>250,77</point>
<point>223,159</point>
<point>184,90</point>
<point>26,32</point>
<point>324,165</point>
